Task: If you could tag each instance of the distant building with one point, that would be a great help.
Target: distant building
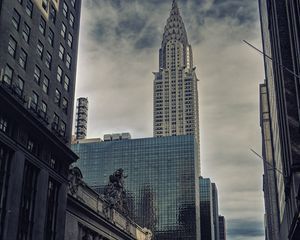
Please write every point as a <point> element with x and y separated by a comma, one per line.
<point>280,24</point>
<point>81,119</point>
<point>222,228</point>
<point>215,201</point>
<point>38,58</point>
<point>162,184</point>
<point>89,216</point>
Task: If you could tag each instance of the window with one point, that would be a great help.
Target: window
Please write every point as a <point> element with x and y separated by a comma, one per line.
<point>71,20</point>
<point>48,60</point>
<point>23,58</point>
<point>62,130</point>
<point>26,32</point>
<point>34,101</point>
<point>8,74</point>
<point>52,202</point>
<point>65,104</point>
<point>29,8</point>
<point>57,97</point>
<point>3,124</point>
<point>44,110</point>
<point>65,10</point>
<point>52,15</point>
<point>59,74</point>
<point>50,37</point>
<point>40,49</point>
<point>70,40</point>
<point>20,1</point>
<point>68,61</point>
<point>37,74</point>
<point>61,53</point>
<point>12,45</point>
<point>26,215</point>
<point>73,2</point>
<point>63,30</point>
<point>55,121</point>
<point>45,85</point>
<point>45,4</point>
<point>16,19</point>
<point>42,26</point>
<point>67,83</point>
<point>20,86</point>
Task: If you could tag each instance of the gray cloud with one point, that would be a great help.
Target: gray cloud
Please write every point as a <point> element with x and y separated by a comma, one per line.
<point>119,51</point>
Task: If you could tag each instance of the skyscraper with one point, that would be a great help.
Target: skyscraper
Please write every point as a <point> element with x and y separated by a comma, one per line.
<point>38,55</point>
<point>175,84</point>
<point>222,228</point>
<point>280,34</point>
<point>162,184</point>
<point>82,108</point>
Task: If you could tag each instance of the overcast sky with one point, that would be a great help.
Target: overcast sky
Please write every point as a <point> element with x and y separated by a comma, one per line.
<point>118,52</point>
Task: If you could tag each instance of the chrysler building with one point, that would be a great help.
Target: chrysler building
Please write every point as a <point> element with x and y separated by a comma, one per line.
<point>175,84</point>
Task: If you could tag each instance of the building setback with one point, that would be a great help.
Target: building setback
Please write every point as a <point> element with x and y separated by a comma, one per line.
<point>280,27</point>
<point>162,184</point>
<point>175,84</point>
<point>38,54</point>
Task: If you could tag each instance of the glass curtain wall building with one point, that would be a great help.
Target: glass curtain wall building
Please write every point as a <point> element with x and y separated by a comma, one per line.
<point>162,184</point>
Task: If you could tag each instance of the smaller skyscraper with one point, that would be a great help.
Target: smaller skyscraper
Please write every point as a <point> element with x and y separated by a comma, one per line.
<point>81,118</point>
<point>222,227</point>
<point>215,201</point>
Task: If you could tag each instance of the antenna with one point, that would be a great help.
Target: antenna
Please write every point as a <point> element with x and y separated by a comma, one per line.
<point>271,165</point>
<point>270,58</point>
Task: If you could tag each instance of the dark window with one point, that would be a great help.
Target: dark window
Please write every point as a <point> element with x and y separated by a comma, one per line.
<point>52,14</point>
<point>62,130</point>
<point>48,60</point>
<point>23,59</point>
<point>63,30</point>
<point>37,74</point>
<point>45,85</point>
<point>3,124</point>
<point>50,37</point>
<point>44,109</point>
<point>45,4</point>
<point>61,53</point>
<point>55,121</point>
<point>59,74</point>
<point>16,19</point>
<point>29,8</point>
<point>4,177</point>
<point>73,2</point>
<point>52,203</point>
<point>20,1</point>
<point>70,40</point>
<point>34,101</point>
<point>71,20</point>
<point>26,216</point>
<point>65,104</point>
<point>66,83</point>
<point>26,32</point>
<point>8,74</point>
<point>57,97</point>
<point>40,49</point>
<point>12,46</point>
<point>68,61</point>
<point>65,10</point>
<point>42,26</point>
<point>20,86</point>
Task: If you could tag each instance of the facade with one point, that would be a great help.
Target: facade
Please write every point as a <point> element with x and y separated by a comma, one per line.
<point>89,216</point>
<point>36,115</point>
<point>175,84</point>
<point>162,184</point>
<point>269,178</point>
<point>222,228</point>
<point>206,209</point>
<point>280,28</point>
<point>82,108</point>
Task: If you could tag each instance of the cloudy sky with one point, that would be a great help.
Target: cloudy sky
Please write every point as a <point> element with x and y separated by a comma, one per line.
<point>119,51</point>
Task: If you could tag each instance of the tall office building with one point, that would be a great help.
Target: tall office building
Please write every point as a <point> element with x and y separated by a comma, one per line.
<point>82,108</point>
<point>162,184</point>
<point>222,227</point>
<point>38,53</point>
<point>280,27</point>
<point>175,84</point>
<point>215,200</point>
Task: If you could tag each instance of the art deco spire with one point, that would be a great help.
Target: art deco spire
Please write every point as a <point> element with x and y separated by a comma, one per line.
<point>175,29</point>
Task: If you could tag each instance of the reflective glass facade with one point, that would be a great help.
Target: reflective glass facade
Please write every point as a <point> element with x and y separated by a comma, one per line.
<point>162,184</point>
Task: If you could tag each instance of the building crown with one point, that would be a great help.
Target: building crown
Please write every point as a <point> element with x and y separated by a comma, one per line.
<point>174,29</point>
